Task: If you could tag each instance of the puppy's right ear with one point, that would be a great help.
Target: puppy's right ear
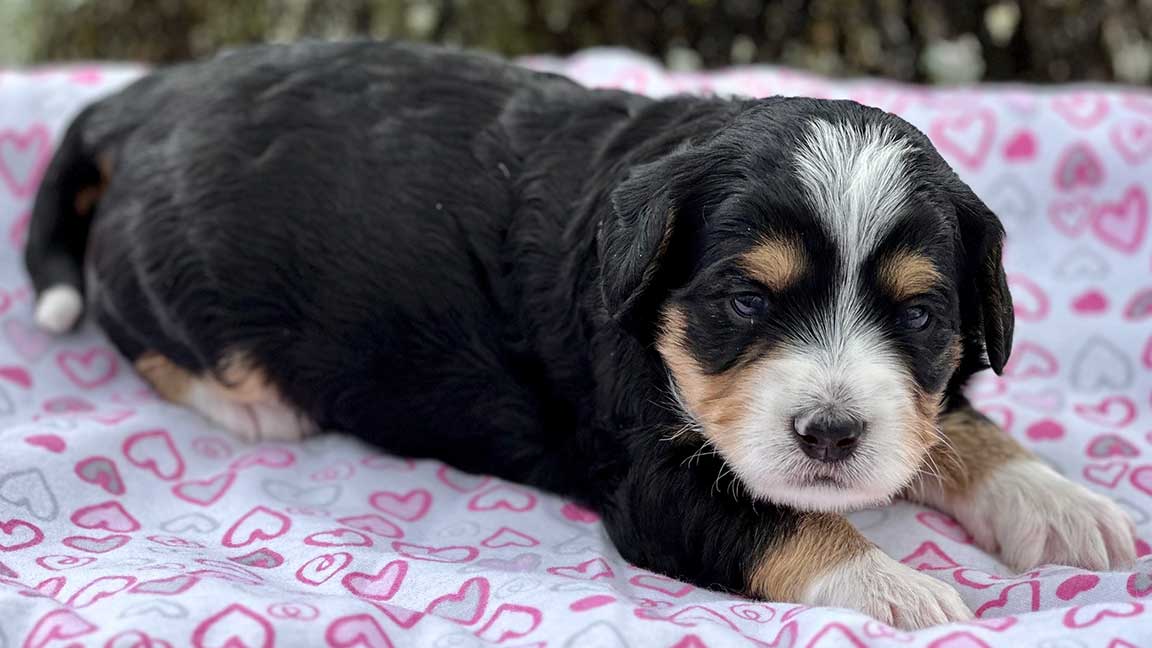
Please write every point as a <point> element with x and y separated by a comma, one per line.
<point>634,239</point>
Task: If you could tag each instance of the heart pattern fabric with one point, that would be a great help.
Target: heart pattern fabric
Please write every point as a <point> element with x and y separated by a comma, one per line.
<point>128,522</point>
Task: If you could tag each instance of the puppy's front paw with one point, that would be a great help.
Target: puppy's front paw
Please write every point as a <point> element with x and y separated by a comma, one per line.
<point>1030,515</point>
<point>876,584</point>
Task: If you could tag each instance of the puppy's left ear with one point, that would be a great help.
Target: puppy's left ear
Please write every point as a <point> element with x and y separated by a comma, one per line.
<point>634,240</point>
<point>989,306</point>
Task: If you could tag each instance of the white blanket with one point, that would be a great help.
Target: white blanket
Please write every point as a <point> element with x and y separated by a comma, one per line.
<point>128,522</point>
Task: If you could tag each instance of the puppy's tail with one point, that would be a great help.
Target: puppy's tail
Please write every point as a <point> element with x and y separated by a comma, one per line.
<point>58,230</point>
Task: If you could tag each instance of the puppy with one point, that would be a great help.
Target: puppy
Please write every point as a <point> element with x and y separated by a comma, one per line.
<point>719,323</point>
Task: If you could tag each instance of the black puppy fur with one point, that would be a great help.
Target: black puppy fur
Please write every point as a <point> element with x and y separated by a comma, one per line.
<point>453,257</point>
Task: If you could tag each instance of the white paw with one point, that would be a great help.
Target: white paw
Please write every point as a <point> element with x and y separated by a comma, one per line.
<point>1030,515</point>
<point>876,584</point>
<point>251,422</point>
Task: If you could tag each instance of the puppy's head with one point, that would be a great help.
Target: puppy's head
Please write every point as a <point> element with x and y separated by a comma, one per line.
<point>814,276</point>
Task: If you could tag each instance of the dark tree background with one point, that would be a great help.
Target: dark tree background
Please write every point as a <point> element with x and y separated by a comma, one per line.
<point>913,40</point>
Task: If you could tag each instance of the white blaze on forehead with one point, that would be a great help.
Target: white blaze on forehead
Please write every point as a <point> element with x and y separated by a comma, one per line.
<point>856,182</point>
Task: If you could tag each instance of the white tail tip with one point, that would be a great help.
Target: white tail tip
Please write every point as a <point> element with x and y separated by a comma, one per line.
<point>58,308</point>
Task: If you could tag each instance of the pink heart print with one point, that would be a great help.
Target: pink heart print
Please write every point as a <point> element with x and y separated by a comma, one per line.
<point>929,556</point>
<point>1090,615</point>
<point>50,442</point>
<point>109,516</point>
<point>1133,139</point>
<point>88,369</point>
<point>262,558</point>
<point>593,569</point>
<point>380,586</point>
<point>965,138</point>
<point>23,157</point>
<point>506,537</point>
<point>1023,596</point>
<point>100,588</point>
<point>58,625</point>
<point>374,524</point>
<point>410,506</point>
<point>1108,474</point>
<point>357,631</point>
<point>944,525</point>
<point>1045,430</point>
<point>510,621</point>
<point>235,626</point>
<point>154,450</point>
<point>102,472</point>
<point>204,492</point>
<point>1091,302</point>
<point>1081,110</point>
<point>97,545</point>
<point>1030,360</point>
<point>1076,585</point>
<point>1071,216</point>
<point>18,534</point>
<point>1114,411</point>
<point>465,606</point>
<point>1122,225</point>
<point>1079,167</point>
<point>1021,147</point>
<point>504,497</point>
<point>1140,306</point>
<point>258,524</point>
<point>338,538</point>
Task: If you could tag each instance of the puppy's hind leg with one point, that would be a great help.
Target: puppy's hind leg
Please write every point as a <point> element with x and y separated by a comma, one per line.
<point>241,400</point>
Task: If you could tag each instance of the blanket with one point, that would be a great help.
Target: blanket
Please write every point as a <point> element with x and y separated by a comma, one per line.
<point>128,522</point>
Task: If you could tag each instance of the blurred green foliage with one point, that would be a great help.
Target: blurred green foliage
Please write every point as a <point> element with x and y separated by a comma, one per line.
<point>914,40</point>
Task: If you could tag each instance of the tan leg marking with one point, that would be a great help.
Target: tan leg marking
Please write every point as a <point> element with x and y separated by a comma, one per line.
<point>821,542</point>
<point>242,400</point>
<point>827,562</point>
<point>1016,506</point>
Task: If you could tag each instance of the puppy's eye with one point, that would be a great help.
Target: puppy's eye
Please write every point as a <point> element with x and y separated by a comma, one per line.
<point>914,318</point>
<point>749,305</point>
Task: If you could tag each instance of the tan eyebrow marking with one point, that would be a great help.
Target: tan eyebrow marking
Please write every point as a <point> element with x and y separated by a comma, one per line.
<point>907,274</point>
<point>777,263</point>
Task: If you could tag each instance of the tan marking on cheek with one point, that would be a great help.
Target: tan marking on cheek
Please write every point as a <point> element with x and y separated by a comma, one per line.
<point>776,263</point>
<point>907,274</point>
<point>925,420</point>
<point>926,408</point>
<point>716,401</point>
<point>820,542</point>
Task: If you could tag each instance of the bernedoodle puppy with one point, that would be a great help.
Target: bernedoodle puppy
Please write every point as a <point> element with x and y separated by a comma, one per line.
<point>718,322</point>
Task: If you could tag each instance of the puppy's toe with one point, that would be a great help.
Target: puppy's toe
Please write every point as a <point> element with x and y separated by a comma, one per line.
<point>876,584</point>
<point>1032,516</point>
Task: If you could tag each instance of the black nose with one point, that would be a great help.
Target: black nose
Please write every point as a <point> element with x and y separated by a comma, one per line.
<point>829,439</point>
